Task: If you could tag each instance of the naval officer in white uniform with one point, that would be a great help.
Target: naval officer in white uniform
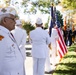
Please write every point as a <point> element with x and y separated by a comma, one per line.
<point>40,39</point>
<point>20,36</point>
<point>11,59</point>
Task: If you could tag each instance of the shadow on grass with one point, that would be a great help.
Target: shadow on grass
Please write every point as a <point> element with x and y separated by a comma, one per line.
<point>69,69</point>
<point>70,56</point>
<point>68,64</point>
<point>72,48</point>
<point>72,65</point>
<point>65,72</point>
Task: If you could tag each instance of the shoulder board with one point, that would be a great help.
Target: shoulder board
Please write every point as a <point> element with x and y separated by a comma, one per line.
<point>1,37</point>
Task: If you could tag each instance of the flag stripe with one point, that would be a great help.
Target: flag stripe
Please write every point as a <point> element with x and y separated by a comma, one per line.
<point>61,38</point>
<point>62,50</point>
<point>60,54</point>
<point>60,45</point>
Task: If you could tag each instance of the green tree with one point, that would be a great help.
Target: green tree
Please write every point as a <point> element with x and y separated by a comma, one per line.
<point>42,5</point>
<point>69,4</point>
<point>46,24</point>
<point>28,27</point>
<point>60,19</point>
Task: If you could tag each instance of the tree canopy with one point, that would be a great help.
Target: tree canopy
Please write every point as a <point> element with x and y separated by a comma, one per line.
<point>69,4</point>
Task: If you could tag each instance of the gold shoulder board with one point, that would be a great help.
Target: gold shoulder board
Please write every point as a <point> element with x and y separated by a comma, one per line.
<point>1,37</point>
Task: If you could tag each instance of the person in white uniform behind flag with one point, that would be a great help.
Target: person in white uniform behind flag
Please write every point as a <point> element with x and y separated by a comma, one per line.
<point>39,39</point>
<point>54,38</point>
<point>48,68</point>
<point>20,37</point>
<point>11,59</point>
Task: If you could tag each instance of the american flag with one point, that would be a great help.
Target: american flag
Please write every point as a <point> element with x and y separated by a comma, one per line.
<point>61,46</point>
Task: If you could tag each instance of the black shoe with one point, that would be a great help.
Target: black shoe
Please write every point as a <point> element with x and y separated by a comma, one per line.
<point>50,72</point>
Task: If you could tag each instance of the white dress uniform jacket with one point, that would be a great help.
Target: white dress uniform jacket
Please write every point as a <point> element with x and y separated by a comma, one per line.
<point>40,40</point>
<point>54,37</point>
<point>20,36</point>
<point>11,60</point>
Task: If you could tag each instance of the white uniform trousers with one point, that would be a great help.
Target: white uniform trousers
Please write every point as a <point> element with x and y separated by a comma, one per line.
<point>47,63</point>
<point>38,66</point>
<point>54,51</point>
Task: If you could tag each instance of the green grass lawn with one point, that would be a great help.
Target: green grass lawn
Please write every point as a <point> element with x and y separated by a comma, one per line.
<point>67,66</point>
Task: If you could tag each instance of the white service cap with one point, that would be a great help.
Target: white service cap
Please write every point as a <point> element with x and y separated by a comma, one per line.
<point>39,21</point>
<point>8,10</point>
<point>18,22</point>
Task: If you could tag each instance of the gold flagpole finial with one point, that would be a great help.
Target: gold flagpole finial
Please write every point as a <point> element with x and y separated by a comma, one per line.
<point>52,4</point>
